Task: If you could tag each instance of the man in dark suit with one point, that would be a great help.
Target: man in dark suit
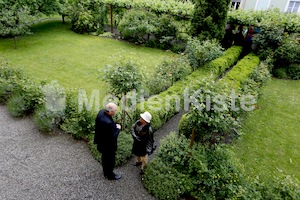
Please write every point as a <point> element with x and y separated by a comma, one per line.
<point>106,135</point>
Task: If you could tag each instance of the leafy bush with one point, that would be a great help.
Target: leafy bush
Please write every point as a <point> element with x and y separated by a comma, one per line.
<point>211,114</point>
<point>10,81</point>
<point>78,122</point>
<point>293,71</point>
<point>167,73</point>
<point>201,52</point>
<point>280,73</point>
<point>135,24</point>
<point>258,78</point>
<point>162,109</point>
<point>6,89</point>
<point>24,101</point>
<point>52,113</point>
<point>48,120</point>
<point>165,32</point>
<point>166,176</point>
<point>199,172</point>
<point>86,16</point>
<point>268,40</point>
<point>122,77</point>
<point>165,182</point>
<point>209,18</point>
<point>16,105</point>
<point>288,52</point>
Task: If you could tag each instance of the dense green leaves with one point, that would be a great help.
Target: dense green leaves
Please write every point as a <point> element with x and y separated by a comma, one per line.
<point>173,7</point>
<point>122,77</point>
<point>202,52</point>
<point>209,18</point>
<point>17,15</point>
<point>289,22</point>
<point>86,16</point>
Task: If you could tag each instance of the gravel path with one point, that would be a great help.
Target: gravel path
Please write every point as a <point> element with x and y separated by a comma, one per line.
<point>38,166</point>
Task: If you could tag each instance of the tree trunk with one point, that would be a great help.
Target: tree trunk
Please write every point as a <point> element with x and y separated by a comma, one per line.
<point>15,42</point>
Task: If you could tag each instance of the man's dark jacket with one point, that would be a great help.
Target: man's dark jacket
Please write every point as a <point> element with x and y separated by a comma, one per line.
<point>106,133</point>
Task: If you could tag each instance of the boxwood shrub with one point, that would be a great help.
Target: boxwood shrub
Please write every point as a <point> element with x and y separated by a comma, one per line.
<point>162,109</point>
<point>213,125</point>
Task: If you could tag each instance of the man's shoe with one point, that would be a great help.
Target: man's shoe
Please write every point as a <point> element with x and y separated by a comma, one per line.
<point>115,177</point>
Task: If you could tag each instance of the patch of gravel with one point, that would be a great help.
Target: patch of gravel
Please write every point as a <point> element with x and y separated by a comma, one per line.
<point>38,166</point>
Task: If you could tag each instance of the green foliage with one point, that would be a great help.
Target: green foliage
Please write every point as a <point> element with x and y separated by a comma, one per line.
<point>9,81</point>
<point>209,19</point>
<point>52,113</point>
<point>279,188</point>
<point>122,77</point>
<point>163,176</point>
<point>199,172</point>
<point>165,32</point>
<point>212,113</point>
<point>293,71</point>
<point>26,99</point>
<point>78,122</point>
<point>48,120</point>
<point>6,88</point>
<point>241,70</point>
<point>17,15</point>
<point>162,109</point>
<point>164,181</point>
<point>135,24</point>
<point>268,40</point>
<point>172,7</point>
<point>288,52</point>
<point>16,105</point>
<point>258,78</point>
<point>216,109</point>
<point>280,73</point>
<point>202,52</point>
<point>266,19</point>
<point>87,16</point>
<point>125,143</point>
<point>167,73</point>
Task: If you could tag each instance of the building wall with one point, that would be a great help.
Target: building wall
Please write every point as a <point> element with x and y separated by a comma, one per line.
<point>249,4</point>
<point>264,4</point>
<point>281,4</point>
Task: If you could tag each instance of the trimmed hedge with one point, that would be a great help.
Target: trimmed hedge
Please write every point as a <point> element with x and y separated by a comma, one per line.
<point>163,106</point>
<point>241,71</point>
<point>234,78</point>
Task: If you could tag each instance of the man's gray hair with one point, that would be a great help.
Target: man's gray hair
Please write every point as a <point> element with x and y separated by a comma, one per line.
<point>110,106</point>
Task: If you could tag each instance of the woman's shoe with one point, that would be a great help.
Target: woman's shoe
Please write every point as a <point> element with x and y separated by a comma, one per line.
<point>138,164</point>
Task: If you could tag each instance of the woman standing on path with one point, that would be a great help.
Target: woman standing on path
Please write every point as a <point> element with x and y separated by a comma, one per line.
<point>143,140</point>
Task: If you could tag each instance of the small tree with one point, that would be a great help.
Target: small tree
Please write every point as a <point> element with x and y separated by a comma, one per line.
<point>17,15</point>
<point>14,22</point>
<point>209,18</point>
<point>123,78</point>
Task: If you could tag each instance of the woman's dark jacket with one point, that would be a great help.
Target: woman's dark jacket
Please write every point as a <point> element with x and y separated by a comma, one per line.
<point>106,133</point>
<point>142,139</point>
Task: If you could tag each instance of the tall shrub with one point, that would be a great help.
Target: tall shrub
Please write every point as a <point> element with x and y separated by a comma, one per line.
<point>200,52</point>
<point>87,16</point>
<point>209,18</point>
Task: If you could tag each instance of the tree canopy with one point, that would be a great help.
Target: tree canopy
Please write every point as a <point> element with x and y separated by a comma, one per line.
<point>16,15</point>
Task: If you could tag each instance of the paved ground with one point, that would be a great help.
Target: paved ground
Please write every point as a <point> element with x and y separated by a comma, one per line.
<point>38,166</point>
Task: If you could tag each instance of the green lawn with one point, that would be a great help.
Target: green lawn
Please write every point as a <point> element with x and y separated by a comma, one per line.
<point>271,143</point>
<point>54,52</point>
